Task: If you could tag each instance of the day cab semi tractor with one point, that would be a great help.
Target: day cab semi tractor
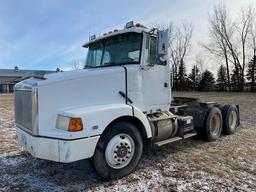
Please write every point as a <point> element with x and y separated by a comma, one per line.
<point>117,104</point>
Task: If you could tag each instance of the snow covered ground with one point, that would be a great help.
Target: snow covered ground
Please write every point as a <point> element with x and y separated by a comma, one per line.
<point>192,165</point>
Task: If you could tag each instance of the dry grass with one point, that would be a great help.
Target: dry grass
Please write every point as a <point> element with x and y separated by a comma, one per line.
<point>192,165</point>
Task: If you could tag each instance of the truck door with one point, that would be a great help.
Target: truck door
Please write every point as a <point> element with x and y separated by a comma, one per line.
<point>156,77</point>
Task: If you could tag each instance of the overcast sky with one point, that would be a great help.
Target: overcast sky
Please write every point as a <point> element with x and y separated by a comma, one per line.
<point>46,34</point>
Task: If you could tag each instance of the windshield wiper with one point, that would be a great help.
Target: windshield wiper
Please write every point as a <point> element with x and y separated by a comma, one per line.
<point>109,63</point>
<point>88,66</point>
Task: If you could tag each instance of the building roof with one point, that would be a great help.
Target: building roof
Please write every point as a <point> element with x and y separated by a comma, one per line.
<point>13,76</point>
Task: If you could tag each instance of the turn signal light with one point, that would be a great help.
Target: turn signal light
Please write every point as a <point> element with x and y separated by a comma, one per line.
<point>75,124</point>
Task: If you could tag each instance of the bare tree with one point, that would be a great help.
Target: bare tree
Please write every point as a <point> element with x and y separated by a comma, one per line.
<point>199,61</point>
<point>229,39</point>
<point>251,74</point>
<point>253,34</point>
<point>244,29</point>
<point>77,64</point>
<point>178,44</point>
<point>221,33</point>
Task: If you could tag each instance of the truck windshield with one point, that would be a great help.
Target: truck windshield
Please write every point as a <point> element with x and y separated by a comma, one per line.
<point>116,50</point>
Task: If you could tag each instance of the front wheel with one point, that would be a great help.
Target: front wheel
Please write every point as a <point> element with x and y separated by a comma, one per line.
<point>118,151</point>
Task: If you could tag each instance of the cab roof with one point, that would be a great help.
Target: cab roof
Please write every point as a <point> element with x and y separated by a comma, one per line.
<point>118,32</point>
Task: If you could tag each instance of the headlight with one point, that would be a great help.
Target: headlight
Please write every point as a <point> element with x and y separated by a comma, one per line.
<point>69,123</point>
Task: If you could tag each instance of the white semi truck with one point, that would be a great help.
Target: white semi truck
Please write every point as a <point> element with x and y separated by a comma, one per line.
<point>120,102</point>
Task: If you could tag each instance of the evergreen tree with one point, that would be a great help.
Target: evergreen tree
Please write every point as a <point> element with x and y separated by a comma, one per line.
<point>235,79</point>
<point>182,77</point>
<point>16,68</point>
<point>175,80</point>
<point>251,73</point>
<point>207,81</point>
<point>222,81</point>
<point>194,78</point>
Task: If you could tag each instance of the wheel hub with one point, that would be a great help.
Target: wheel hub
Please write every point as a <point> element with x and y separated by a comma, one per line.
<point>215,124</point>
<point>119,151</point>
<point>233,120</point>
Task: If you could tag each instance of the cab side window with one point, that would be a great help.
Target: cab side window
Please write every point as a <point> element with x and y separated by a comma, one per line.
<point>151,52</point>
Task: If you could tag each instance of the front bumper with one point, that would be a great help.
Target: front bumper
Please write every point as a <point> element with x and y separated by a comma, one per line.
<point>56,149</point>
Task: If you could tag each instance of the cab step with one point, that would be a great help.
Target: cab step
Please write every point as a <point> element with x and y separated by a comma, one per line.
<point>173,139</point>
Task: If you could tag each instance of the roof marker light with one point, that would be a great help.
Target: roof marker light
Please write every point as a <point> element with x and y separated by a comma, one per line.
<point>93,37</point>
<point>139,25</point>
<point>129,25</point>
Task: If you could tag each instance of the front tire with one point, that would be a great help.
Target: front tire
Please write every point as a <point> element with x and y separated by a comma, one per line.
<point>118,151</point>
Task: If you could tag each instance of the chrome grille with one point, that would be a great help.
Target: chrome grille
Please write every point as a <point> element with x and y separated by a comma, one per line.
<point>26,110</point>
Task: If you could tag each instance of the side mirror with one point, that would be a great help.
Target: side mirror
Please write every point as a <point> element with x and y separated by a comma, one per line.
<point>162,43</point>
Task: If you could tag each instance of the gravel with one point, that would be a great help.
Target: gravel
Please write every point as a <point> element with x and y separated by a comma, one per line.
<point>228,164</point>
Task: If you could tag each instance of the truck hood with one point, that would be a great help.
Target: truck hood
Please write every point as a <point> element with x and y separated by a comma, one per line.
<point>60,77</point>
<point>76,74</point>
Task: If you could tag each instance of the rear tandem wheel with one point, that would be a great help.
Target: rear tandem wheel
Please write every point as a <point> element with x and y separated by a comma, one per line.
<point>213,125</point>
<point>230,119</point>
